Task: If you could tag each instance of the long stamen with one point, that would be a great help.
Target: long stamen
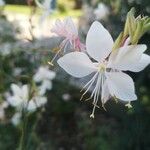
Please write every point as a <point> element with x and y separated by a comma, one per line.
<point>95,93</point>
<point>93,79</point>
<point>62,46</point>
<point>90,83</point>
<point>92,115</point>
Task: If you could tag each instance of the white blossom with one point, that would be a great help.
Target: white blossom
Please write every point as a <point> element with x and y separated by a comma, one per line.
<point>102,11</point>
<point>108,78</point>
<point>69,32</point>
<point>20,99</point>
<point>44,75</point>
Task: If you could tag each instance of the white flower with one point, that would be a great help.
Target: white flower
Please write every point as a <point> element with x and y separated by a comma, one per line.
<point>20,99</point>
<point>36,102</point>
<point>17,71</point>
<point>5,49</point>
<point>108,78</point>
<point>69,32</point>
<point>47,8</point>
<point>101,11</point>
<point>44,75</point>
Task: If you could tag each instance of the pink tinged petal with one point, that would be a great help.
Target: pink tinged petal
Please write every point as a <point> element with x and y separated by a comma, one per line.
<point>121,86</point>
<point>59,28</point>
<point>124,57</point>
<point>99,42</point>
<point>105,93</point>
<point>127,41</point>
<point>77,64</point>
<point>143,63</point>
<point>70,27</point>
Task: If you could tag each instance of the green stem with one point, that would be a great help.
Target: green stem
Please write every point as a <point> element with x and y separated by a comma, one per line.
<point>33,135</point>
<point>22,144</point>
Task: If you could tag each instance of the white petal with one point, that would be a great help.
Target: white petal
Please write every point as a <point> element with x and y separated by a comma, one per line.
<point>14,101</point>
<point>16,89</point>
<point>121,86</point>
<point>25,92</point>
<point>139,66</point>
<point>46,85</point>
<point>31,106</point>
<point>40,101</point>
<point>37,77</point>
<point>36,102</point>
<point>77,64</point>
<point>124,57</point>
<point>99,42</point>
<point>50,75</point>
<point>70,26</point>
<point>16,118</point>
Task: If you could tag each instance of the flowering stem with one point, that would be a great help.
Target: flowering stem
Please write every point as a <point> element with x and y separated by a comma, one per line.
<point>33,135</point>
<point>22,144</point>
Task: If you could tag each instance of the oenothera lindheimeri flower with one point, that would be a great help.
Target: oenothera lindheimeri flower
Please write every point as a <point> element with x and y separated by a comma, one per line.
<point>67,30</point>
<point>108,78</point>
<point>45,76</point>
<point>20,98</point>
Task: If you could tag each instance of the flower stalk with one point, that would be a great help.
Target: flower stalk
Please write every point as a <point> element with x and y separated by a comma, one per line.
<point>23,139</point>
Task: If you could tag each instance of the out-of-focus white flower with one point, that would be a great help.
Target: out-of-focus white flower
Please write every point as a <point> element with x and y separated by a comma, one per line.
<point>17,71</point>
<point>66,97</point>
<point>5,49</point>
<point>36,102</point>
<point>44,75</point>
<point>107,69</point>
<point>16,118</point>
<point>3,106</point>
<point>2,3</point>
<point>69,31</point>
<point>47,8</point>
<point>20,98</point>
<point>102,11</point>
